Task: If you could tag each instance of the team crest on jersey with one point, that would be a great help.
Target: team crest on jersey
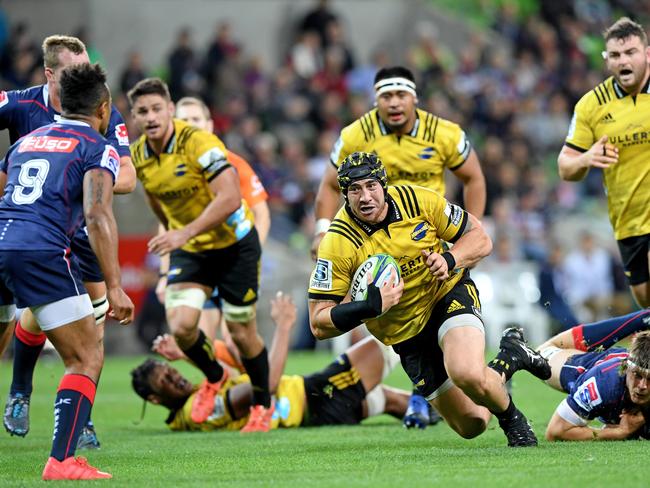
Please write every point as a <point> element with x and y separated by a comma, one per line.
<point>420,231</point>
<point>322,277</point>
<point>4,98</point>
<point>122,134</point>
<point>587,395</point>
<point>427,153</point>
<point>181,169</point>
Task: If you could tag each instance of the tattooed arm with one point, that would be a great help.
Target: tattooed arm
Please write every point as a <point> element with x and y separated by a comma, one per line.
<point>102,233</point>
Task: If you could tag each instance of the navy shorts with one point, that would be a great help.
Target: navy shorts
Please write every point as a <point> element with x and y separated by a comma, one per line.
<point>85,257</point>
<point>33,278</point>
<point>578,364</point>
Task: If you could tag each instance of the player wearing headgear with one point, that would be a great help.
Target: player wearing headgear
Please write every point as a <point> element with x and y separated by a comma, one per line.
<point>415,146</point>
<point>22,111</point>
<point>432,318</point>
<point>56,177</point>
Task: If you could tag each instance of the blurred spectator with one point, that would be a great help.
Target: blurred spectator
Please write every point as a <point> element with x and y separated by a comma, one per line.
<point>589,279</point>
<point>318,19</point>
<point>133,72</point>
<point>553,284</point>
<point>184,78</point>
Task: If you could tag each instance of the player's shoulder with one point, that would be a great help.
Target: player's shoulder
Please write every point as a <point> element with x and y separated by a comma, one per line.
<point>11,99</point>
<point>364,129</point>
<point>412,198</point>
<point>602,94</point>
<point>343,236</point>
<point>433,128</point>
<point>138,149</point>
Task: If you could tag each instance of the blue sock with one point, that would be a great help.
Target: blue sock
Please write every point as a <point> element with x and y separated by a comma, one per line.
<point>606,333</point>
<point>27,348</point>
<point>74,399</point>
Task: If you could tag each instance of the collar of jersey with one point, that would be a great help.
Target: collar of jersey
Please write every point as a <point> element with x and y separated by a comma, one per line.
<point>621,93</point>
<point>169,148</point>
<point>385,130</point>
<point>65,121</point>
<point>394,215</point>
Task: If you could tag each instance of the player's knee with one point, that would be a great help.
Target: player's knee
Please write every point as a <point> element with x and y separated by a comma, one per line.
<point>239,314</point>
<point>473,381</point>
<point>100,309</point>
<point>7,314</point>
<point>642,294</point>
<point>471,426</point>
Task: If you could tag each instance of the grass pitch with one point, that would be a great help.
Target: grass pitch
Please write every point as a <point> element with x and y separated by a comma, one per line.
<point>380,453</point>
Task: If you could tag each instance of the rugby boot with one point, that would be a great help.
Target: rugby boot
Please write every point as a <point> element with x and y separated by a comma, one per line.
<point>515,355</point>
<point>518,431</point>
<point>259,419</point>
<point>88,438</point>
<point>72,469</point>
<point>203,404</point>
<point>16,416</point>
<point>417,413</point>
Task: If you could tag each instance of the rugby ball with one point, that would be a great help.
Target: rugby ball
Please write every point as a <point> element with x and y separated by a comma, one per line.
<point>379,267</point>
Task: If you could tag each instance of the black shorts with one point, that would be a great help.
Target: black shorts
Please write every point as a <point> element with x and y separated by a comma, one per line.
<point>235,270</point>
<point>334,395</point>
<point>634,253</point>
<point>421,355</point>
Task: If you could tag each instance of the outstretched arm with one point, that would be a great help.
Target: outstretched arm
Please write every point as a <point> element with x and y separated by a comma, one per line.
<point>560,429</point>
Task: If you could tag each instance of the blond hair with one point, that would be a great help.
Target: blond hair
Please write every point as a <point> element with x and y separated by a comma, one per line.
<point>53,45</point>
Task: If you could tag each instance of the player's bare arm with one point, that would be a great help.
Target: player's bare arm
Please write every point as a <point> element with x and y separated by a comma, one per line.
<point>262,216</point>
<point>283,313</point>
<point>474,191</point>
<point>227,199</point>
<point>102,233</point>
<point>574,165</point>
<point>3,182</point>
<point>328,201</point>
<point>560,430</point>
<point>126,179</point>
<point>473,245</point>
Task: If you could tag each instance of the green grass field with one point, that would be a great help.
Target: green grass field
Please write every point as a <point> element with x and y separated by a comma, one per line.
<point>378,453</point>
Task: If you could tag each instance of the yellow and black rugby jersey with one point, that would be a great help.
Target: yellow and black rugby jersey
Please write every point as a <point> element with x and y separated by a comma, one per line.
<point>289,407</point>
<point>179,179</point>
<point>418,158</point>
<point>418,219</point>
<point>607,109</point>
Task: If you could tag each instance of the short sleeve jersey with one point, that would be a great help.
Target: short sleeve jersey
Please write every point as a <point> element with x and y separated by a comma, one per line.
<point>607,109</point>
<point>179,179</point>
<point>599,392</point>
<point>22,111</point>
<point>418,219</point>
<point>418,158</point>
<point>289,408</point>
<point>43,200</point>
<point>251,187</point>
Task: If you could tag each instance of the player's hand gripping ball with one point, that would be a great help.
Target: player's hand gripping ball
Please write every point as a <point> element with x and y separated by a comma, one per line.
<point>379,267</point>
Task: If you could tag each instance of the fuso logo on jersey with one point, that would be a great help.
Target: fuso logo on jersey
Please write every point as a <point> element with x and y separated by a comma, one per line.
<point>4,98</point>
<point>587,395</point>
<point>122,134</point>
<point>48,144</point>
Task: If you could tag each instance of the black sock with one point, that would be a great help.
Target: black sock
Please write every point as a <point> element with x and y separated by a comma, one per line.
<point>202,354</point>
<point>508,413</point>
<point>502,365</point>
<point>27,348</point>
<point>258,371</point>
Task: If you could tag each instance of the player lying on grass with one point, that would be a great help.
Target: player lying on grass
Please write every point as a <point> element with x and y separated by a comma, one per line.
<point>607,383</point>
<point>345,392</point>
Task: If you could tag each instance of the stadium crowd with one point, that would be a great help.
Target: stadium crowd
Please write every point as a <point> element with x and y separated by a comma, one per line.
<point>512,87</point>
